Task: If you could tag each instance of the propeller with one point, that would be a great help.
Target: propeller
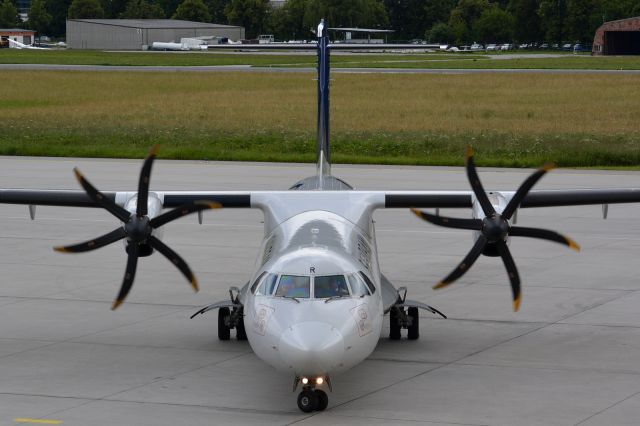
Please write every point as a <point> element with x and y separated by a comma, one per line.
<point>495,228</point>
<point>137,228</point>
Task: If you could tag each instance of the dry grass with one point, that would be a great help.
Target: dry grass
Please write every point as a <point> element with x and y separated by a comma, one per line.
<point>412,118</point>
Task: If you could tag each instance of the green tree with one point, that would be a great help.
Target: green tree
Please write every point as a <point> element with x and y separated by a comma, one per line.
<point>463,17</point>
<point>8,15</point>
<point>216,9</point>
<point>288,21</point>
<point>440,33</point>
<point>192,10</point>
<point>583,18</point>
<point>552,17</point>
<point>526,21</point>
<point>58,11</point>
<point>141,9</point>
<point>494,26</point>
<point>113,8</point>
<point>85,9</point>
<point>251,14</point>
<point>39,18</point>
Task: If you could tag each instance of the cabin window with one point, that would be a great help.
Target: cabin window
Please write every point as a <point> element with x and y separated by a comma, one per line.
<point>372,288</point>
<point>358,286</point>
<point>330,286</point>
<point>294,286</point>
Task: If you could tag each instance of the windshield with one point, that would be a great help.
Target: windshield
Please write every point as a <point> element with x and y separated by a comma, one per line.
<point>294,286</point>
<point>330,286</point>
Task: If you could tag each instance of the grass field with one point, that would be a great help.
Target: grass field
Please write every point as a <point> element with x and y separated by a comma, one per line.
<point>419,60</point>
<point>589,120</point>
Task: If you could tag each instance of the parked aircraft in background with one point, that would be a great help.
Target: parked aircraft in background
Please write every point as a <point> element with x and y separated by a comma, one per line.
<point>313,306</point>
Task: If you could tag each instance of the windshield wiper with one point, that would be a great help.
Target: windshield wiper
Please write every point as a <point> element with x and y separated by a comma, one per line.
<point>344,296</point>
<point>291,298</point>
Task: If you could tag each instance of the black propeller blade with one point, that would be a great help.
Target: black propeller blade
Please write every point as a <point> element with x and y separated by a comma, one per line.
<point>137,228</point>
<point>495,228</point>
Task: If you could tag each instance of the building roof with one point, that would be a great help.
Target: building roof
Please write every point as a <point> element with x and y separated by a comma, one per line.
<point>362,30</point>
<point>153,23</point>
<point>16,30</point>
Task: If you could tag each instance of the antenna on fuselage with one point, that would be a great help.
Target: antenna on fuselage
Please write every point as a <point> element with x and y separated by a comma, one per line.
<point>323,155</point>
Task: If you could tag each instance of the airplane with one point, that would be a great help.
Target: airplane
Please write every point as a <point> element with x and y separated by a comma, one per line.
<point>15,44</point>
<point>315,302</point>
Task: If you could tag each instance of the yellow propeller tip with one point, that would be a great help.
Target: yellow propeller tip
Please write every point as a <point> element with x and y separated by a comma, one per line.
<point>440,285</point>
<point>77,172</point>
<point>194,285</point>
<point>416,212</point>
<point>548,166</point>
<point>154,149</point>
<point>516,304</point>
<point>60,249</point>
<point>209,204</point>
<point>116,303</point>
<point>468,153</point>
<point>573,245</point>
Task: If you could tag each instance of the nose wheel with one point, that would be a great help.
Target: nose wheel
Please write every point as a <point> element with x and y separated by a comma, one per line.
<point>310,400</point>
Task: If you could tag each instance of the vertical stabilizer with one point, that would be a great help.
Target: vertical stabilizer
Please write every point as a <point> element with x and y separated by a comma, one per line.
<point>323,156</point>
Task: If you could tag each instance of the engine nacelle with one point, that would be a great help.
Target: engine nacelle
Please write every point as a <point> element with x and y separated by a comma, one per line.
<point>499,201</point>
<point>154,208</point>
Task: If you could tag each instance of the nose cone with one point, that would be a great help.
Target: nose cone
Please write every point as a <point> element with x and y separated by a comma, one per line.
<point>312,348</point>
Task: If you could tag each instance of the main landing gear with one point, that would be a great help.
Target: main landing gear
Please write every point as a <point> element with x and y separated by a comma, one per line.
<point>312,399</point>
<point>230,315</point>
<point>405,314</point>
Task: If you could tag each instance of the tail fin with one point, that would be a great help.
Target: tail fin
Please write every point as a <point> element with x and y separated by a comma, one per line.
<point>323,155</point>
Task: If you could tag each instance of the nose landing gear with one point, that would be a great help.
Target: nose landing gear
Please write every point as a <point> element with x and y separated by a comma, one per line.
<point>311,399</point>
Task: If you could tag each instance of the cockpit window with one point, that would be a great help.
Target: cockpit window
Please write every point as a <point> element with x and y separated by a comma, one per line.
<point>358,287</point>
<point>294,286</point>
<point>372,288</point>
<point>267,285</point>
<point>257,282</point>
<point>330,286</point>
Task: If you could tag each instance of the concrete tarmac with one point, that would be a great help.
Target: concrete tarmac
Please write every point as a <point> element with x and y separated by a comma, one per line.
<point>569,357</point>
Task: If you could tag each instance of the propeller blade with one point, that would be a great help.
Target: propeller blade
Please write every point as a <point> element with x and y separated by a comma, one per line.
<point>175,259</point>
<point>449,222</point>
<point>466,263</point>
<point>512,271</point>
<point>524,189</point>
<point>100,198</point>
<point>544,234</point>
<point>96,243</point>
<point>476,185</point>
<point>143,183</point>
<point>129,275</point>
<point>183,210</point>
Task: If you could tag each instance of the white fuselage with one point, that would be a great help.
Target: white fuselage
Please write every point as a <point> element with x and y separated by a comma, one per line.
<point>312,334</point>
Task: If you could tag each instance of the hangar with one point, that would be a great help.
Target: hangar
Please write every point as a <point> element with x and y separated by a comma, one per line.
<point>139,34</point>
<point>620,37</point>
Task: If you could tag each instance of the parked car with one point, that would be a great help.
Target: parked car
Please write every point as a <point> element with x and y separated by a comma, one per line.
<point>506,46</point>
<point>544,46</point>
<point>567,47</point>
<point>578,48</point>
<point>491,47</point>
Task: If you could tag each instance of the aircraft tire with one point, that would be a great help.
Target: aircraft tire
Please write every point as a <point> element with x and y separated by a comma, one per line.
<point>224,332</point>
<point>241,332</point>
<point>414,328</point>
<point>394,327</point>
<point>323,400</point>
<point>307,401</point>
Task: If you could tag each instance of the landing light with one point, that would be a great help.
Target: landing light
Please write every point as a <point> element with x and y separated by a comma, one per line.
<point>319,381</point>
<point>305,380</point>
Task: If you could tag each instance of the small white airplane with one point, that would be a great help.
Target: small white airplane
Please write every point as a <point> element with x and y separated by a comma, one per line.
<point>14,44</point>
<point>315,303</point>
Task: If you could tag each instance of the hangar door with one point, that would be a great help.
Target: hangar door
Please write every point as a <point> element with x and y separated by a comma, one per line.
<point>622,42</point>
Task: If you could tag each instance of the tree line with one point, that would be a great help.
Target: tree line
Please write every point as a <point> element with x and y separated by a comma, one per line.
<point>438,21</point>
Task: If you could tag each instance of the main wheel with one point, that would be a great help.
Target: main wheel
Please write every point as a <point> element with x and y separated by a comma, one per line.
<point>224,332</point>
<point>414,328</point>
<point>394,325</point>
<point>307,401</point>
<point>241,332</point>
<point>323,400</point>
